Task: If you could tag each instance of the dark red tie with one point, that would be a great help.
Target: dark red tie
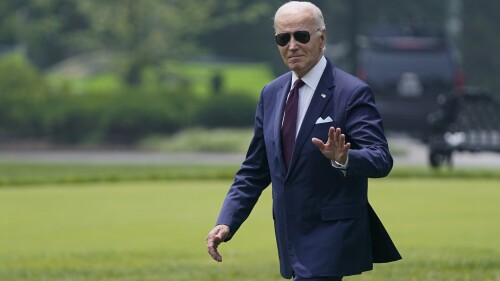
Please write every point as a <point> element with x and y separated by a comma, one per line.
<point>289,128</point>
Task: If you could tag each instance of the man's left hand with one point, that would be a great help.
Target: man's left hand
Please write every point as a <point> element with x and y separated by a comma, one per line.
<point>335,148</point>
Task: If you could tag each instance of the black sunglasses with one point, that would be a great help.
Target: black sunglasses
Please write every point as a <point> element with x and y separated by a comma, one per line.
<point>301,36</point>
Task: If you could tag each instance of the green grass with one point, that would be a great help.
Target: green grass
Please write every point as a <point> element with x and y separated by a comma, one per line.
<point>214,140</point>
<point>241,77</point>
<point>247,78</point>
<point>29,173</point>
<point>43,174</point>
<point>446,229</point>
<point>101,83</point>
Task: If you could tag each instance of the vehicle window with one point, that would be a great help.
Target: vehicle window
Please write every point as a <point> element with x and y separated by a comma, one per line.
<point>385,67</point>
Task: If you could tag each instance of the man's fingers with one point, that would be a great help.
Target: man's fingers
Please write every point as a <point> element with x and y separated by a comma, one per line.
<point>339,137</point>
<point>331,134</point>
<point>212,251</point>
<point>213,242</point>
<point>341,140</point>
<point>214,254</point>
<point>347,146</point>
<point>335,137</point>
<point>336,147</point>
<point>318,143</point>
<point>214,238</point>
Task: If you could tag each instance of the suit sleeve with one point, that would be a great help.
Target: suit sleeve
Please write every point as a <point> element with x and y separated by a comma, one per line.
<point>251,179</point>
<point>369,155</point>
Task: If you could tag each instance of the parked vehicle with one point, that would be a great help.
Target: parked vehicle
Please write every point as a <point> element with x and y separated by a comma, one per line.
<point>408,68</point>
<point>465,121</point>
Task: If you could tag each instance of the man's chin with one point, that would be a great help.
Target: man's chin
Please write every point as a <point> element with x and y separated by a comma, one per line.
<point>295,66</point>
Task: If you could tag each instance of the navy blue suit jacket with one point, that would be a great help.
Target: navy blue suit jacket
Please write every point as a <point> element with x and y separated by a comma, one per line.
<point>323,222</point>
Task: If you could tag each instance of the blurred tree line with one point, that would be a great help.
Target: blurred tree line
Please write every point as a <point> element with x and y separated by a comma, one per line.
<point>142,35</point>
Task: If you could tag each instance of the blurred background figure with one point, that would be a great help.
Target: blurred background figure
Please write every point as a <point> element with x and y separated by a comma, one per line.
<point>217,83</point>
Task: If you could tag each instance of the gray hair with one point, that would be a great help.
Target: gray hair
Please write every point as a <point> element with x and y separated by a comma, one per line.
<point>302,5</point>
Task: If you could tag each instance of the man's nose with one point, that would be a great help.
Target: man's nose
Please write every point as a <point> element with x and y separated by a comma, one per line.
<point>293,43</point>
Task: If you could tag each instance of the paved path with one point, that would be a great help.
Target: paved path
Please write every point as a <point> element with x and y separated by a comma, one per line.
<point>409,153</point>
<point>416,154</point>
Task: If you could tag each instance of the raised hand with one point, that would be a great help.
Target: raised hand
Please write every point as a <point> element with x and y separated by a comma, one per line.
<point>335,148</point>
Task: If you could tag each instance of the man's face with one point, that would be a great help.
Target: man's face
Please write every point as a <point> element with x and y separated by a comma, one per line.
<point>300,57</point>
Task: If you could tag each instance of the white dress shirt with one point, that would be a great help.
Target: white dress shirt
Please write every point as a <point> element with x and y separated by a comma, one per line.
<point>306,92</point>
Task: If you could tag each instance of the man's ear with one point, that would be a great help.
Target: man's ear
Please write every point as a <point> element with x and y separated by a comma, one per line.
<point>323,38</point>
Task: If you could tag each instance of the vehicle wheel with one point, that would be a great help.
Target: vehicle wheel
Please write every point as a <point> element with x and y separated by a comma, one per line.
<point>438,158</point>
<point>434,159</point>
<point>449,159</point>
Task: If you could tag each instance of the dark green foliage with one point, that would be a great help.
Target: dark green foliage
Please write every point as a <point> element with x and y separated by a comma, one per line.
<point>114,118</point>
<point>69,119</point>
<point>132,116</point>
<point>23,92</point>
<point>226,111</point>
<point>31,108</point>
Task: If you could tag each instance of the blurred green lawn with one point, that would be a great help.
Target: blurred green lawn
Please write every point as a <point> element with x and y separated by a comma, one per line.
<point>247,78</point>
<point>446,229</point>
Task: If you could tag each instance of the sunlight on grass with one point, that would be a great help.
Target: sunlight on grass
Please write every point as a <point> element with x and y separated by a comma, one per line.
<point>446,229</point>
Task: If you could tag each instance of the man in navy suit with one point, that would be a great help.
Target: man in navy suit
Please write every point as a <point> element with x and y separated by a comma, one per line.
<point>318,138</point>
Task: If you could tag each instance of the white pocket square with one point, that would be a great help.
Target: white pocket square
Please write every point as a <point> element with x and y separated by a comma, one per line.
<point>326,120</point>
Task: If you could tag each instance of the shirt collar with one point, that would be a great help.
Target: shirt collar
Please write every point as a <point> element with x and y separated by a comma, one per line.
<point>312,78</point>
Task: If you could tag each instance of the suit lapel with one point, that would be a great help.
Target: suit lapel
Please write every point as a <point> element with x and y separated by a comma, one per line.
<point>321,97</point>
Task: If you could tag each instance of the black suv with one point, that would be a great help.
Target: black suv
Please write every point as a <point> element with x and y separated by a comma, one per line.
<point>408,68</point>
